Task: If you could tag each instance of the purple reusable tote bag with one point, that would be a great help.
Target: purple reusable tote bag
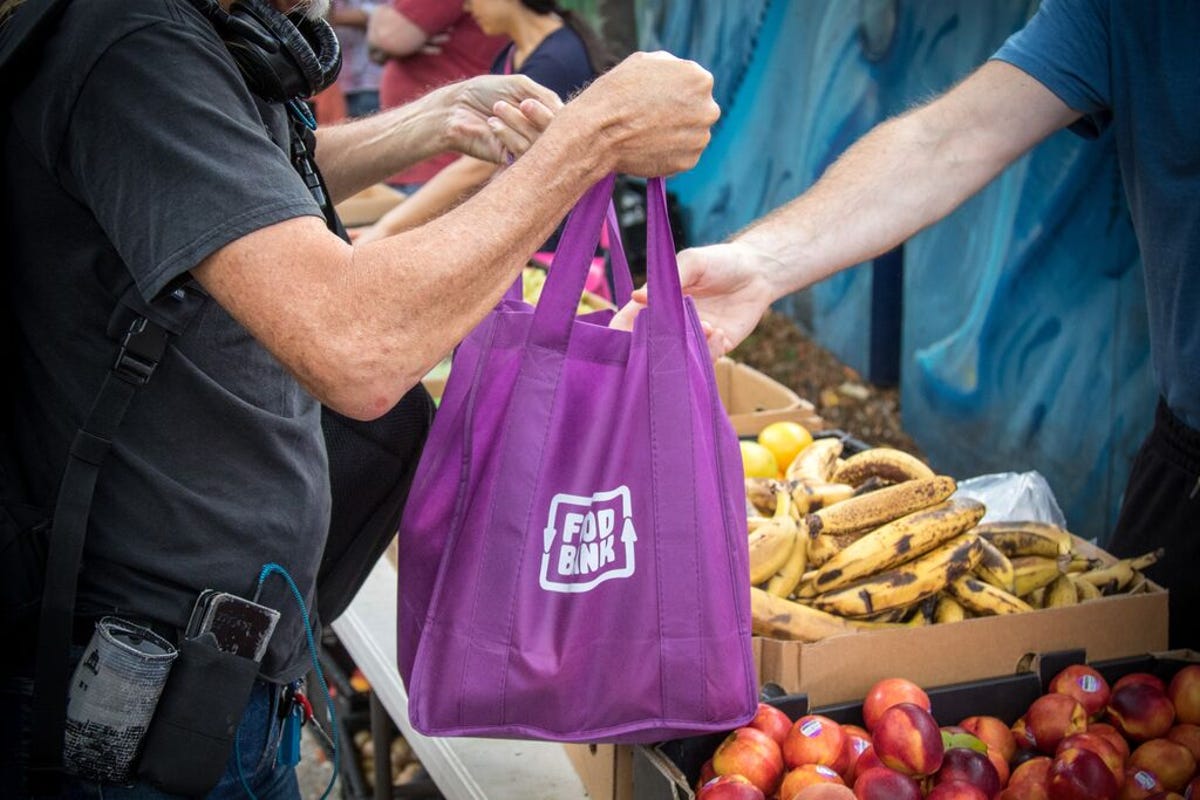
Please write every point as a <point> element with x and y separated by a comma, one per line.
<point>573,556</point>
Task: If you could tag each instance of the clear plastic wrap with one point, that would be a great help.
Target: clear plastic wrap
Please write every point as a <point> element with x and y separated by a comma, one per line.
<point>1013,496</point>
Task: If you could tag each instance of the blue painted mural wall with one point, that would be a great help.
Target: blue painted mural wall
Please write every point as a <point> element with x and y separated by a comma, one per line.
<point>1024,341</point>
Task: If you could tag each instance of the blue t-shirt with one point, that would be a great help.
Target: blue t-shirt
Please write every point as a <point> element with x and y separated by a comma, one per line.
<point>1136,66</point>
<point>559,62</point>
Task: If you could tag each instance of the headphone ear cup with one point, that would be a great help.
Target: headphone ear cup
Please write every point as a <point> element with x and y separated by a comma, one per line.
<point>306,60</point>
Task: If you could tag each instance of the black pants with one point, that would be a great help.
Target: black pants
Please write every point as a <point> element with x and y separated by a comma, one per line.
<point>1161,508</point>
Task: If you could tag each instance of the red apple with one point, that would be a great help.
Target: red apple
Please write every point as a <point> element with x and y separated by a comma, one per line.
<point>882,783</point>
<point>1184,692</point>
<point>1144,678</point>
<point>907,739</point>
<point>962,764</point>
<point>887,693</point>
<point>1113,736</point>
<point>994,733</point>
<point>825,791</point>
<point>868,759</point>
<point>1139,784</point>
<point>813,739</point>
<point>1002,768</point>
<point>752,754</point>
<point>1051,718</point>
<point>773,722</point>
<point>1079,774</point>
<point>1192,792</point>
<point>1022,736</point>
<point>706,774</point>
<point>1086,685</point>
<point>806,775</point>
<point>1035,770</point>
<point>1187,735</point>
<point>1166,796</point>
<point>729,787</point>
<point>957,790</point>
<point>1101,747</point>
<point>1173,763</point>
<point>1140,711</point>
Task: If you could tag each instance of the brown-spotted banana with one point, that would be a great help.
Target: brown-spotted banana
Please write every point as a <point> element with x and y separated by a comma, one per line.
<point>1027,538</point>
<point>994,566</point>
<point>784,582</point>
<point>906,584</point>
<point>816,462</point>
<point>771,543</point>
<point>885,463</point>
<point>981,597</point>
<point>898,541</point>
<point>1031,573</point>
<point>1119,575</point>
<point>871,510</point>
<point>780,618</point>
<point>1060,592</point>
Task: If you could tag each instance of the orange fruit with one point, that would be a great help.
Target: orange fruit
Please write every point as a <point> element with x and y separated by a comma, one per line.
<point>758,461</point>
<point>785,440</point>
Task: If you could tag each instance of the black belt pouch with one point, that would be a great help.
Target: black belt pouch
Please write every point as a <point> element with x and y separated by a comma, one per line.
<point>188,744</point>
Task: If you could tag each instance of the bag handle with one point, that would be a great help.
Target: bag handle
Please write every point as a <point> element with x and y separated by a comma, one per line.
<point>622,277</point>
<point>555,310</point>
<point>667,319</point>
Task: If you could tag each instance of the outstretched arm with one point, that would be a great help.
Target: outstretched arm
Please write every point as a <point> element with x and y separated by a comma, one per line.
<point>901,177</point>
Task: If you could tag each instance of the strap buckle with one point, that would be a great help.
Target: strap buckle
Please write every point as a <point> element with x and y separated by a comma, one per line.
<point>141,350</point>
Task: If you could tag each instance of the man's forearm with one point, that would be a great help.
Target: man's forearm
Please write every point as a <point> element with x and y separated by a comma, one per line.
<point>357,154</point>
<point>905,175</point>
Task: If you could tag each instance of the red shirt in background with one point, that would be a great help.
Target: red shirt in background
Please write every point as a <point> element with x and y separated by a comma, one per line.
<point>468,52</point>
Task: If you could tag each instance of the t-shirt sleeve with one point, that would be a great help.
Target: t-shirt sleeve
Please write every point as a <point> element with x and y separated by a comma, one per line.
<point>168,150</point>
<point>560,64</point>
<point>431,16</point>
<point>1065,46</point>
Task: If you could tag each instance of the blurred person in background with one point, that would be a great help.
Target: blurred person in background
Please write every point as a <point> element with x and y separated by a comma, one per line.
<point>424,44</point>
<point>547,43</point>
<point>359,78</point>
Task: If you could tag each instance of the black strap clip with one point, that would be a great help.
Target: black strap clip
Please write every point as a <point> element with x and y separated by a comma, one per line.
<point>141,350</point>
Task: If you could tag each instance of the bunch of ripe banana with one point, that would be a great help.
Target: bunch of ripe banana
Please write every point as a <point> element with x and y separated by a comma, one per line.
<point>893,548</point>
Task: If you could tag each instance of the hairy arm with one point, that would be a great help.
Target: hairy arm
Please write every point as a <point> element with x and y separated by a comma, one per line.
<point>360,325</point>
<point>441,192</point>
<point>901,177</point>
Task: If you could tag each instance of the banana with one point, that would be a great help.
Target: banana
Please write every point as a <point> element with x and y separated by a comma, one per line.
<point>1084,591</point>
<point>1080,563</point>
<point>1027,538</point>
<point>826,494</point>
<point>823,548</point>
<point>885,463</point>
<point>995,567</point>
<point>756,522</point>
<point>802,498</point>
<point>898,541</point>
<point>948,610</point>
<point>870,485</point>
<point>1033,572</point>
<point>1118,576</point>
<point>762,492</point>
<point>906,584</point>
<point>779,618</point>
<point>816,462</point>
<point>1036,598</point>
<point>871,510</point>
<point>784,582</point>
<point>771,544</point>
<point>981,597</point>
<point>1061,592</point>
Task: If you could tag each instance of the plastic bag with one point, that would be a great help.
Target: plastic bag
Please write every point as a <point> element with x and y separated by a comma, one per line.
<point>1014,496</point>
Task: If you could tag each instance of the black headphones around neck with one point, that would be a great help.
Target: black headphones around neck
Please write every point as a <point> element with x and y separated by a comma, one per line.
<point>281,56</point>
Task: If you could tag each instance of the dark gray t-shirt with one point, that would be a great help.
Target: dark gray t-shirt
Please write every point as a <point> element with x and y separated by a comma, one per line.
<point>136,152</point>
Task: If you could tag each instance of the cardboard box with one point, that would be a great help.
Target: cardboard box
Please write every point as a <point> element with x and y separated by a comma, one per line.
<point>366,207</point>
<point>755,400</point>
<point>843,668</point>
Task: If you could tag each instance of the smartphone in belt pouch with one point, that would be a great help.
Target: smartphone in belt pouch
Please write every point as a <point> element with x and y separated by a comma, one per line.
<point>240,626</point>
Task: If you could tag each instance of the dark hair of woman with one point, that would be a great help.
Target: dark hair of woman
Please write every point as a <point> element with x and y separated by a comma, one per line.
<point>597,52</point>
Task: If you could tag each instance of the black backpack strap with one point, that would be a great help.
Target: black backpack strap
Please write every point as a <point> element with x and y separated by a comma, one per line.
<point>143,348</point>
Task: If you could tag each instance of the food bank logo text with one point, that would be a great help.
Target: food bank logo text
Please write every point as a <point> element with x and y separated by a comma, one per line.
<point>587,540</point>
